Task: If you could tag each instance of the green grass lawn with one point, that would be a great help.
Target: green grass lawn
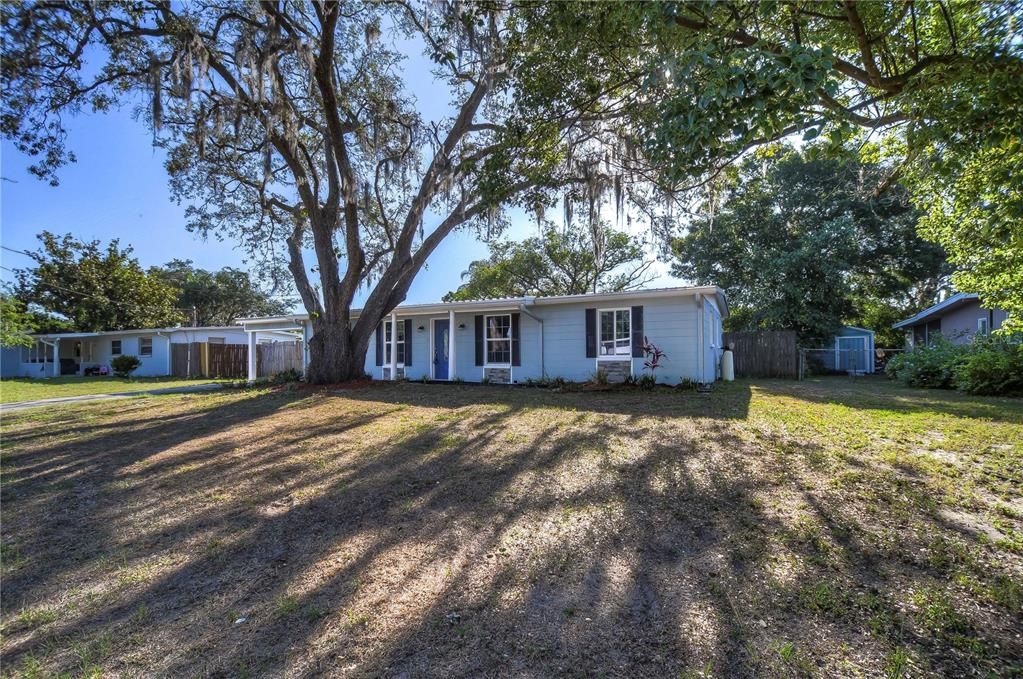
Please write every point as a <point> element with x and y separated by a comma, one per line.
<point>827,528</point>
<point>32,389</point>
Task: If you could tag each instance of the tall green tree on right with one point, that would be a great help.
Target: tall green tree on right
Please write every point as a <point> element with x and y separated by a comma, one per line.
<point>805,244</point>
<point>931,89</point>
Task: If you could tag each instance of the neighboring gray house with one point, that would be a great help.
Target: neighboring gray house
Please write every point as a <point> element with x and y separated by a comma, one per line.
<point>71,353</point>
<point>521,338</point>
<point>957,319</point>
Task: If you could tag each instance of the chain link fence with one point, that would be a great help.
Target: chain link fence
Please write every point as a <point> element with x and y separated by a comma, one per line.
<point>852,362</point>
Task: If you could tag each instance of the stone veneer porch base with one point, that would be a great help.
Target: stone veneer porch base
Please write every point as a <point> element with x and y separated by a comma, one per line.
<point>615,370</point>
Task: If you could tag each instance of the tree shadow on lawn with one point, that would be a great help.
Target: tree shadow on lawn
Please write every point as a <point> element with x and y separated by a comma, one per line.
<point>877,393</point>
<point>727,400</point>
<point>405,532</point>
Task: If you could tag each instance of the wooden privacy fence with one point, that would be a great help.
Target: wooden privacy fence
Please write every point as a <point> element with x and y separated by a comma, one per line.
<point>279,357</point>
<point>769,353</point>
<point>202,359</point>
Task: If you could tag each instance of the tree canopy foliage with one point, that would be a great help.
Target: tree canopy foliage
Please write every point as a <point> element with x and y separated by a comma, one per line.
<point>931,90</point>
<point>217,297</point>
<point>557,262</point>
<point>15,323</point>
<point>291,127</point>
<point>95,288</point>
<point>807,245</point>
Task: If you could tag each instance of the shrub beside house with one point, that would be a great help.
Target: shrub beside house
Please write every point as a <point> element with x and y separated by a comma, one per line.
<point>951,347</point>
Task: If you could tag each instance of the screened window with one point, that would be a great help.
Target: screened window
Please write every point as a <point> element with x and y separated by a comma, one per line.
<point>982,326</point>
<point>215,340</point>
<point>615,332</point>
<point>401,342</point>
<point>40,352</point>
<point>115,347</point>
<point>145,346</point>
<point>498,339</point>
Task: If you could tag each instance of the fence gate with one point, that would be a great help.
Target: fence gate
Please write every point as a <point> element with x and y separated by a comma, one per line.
<point>202,359</point>
<point>278,357</point>
<point>186,360</point>
<point>769,353</point>
<point>226,360</point>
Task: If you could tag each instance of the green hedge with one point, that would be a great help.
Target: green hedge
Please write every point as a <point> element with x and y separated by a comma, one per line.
<point>989,365</point>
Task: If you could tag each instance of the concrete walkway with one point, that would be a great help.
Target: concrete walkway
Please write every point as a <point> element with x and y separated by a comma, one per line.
<point>24,405</point>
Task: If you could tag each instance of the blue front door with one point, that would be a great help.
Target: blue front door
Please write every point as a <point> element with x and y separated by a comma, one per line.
<point>440,349</point>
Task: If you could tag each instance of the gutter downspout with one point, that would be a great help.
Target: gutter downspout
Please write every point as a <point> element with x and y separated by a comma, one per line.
<point>543,367</point>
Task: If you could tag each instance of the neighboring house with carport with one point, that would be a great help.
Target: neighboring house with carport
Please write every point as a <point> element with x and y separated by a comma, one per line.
<point>530,338</point>
<point>958,319</point>
<point>79,353</point>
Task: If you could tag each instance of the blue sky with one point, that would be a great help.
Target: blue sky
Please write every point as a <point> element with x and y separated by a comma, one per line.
<point>118,189</point>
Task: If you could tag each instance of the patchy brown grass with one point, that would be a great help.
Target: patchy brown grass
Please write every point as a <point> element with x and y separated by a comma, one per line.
<point>829,528</point>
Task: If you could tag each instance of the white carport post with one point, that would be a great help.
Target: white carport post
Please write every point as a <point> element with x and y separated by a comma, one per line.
<point>56,357</point>
<point>394,345</point>
<point>451,345</point>
<point>252,355</point>
<point>306,336</point>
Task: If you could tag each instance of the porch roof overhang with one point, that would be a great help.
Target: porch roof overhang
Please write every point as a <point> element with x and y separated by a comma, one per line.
<point>294,321</point>
<point>137,331</point>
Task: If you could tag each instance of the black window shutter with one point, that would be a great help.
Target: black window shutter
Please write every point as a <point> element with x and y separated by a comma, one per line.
<point>591,333</point>
<point>408,342</point>
<point>516,353</point>
<point>380,343</point>
<point>637,332</point>
<point>479,340</point>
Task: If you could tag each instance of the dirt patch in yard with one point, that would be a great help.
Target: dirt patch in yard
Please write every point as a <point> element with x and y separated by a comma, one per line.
<point>436,530</point>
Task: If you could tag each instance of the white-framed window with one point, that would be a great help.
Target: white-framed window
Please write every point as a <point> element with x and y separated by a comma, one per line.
<point>115,347</point>
<point>400,342</point>
<point>215,340</point>
<point>614,327</point>
<point>497,338</point>
<point>145,346</point>
<point>982,327</point>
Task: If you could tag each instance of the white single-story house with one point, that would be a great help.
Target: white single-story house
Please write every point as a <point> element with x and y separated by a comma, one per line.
<point>74,353</point>
<point>529,338</point>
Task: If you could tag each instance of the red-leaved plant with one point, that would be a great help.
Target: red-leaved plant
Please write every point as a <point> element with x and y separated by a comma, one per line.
<point>653,354</point>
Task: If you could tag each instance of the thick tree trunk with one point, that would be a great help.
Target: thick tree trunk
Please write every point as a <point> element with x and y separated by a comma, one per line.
<point>335,354</point>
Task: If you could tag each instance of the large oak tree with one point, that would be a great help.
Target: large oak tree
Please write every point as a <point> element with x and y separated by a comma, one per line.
<point>290,126</point>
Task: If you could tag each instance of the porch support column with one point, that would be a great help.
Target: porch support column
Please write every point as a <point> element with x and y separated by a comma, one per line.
<point>451,344</point>
<point>56,357</point>
<point>394,345</point>
<point>252,356</point>
<point>307,333</point>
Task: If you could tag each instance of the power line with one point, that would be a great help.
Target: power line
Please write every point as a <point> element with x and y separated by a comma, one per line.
<point>20,252</point>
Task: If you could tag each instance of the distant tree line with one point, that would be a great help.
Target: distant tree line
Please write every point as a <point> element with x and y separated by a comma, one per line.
<point>84,286</point>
